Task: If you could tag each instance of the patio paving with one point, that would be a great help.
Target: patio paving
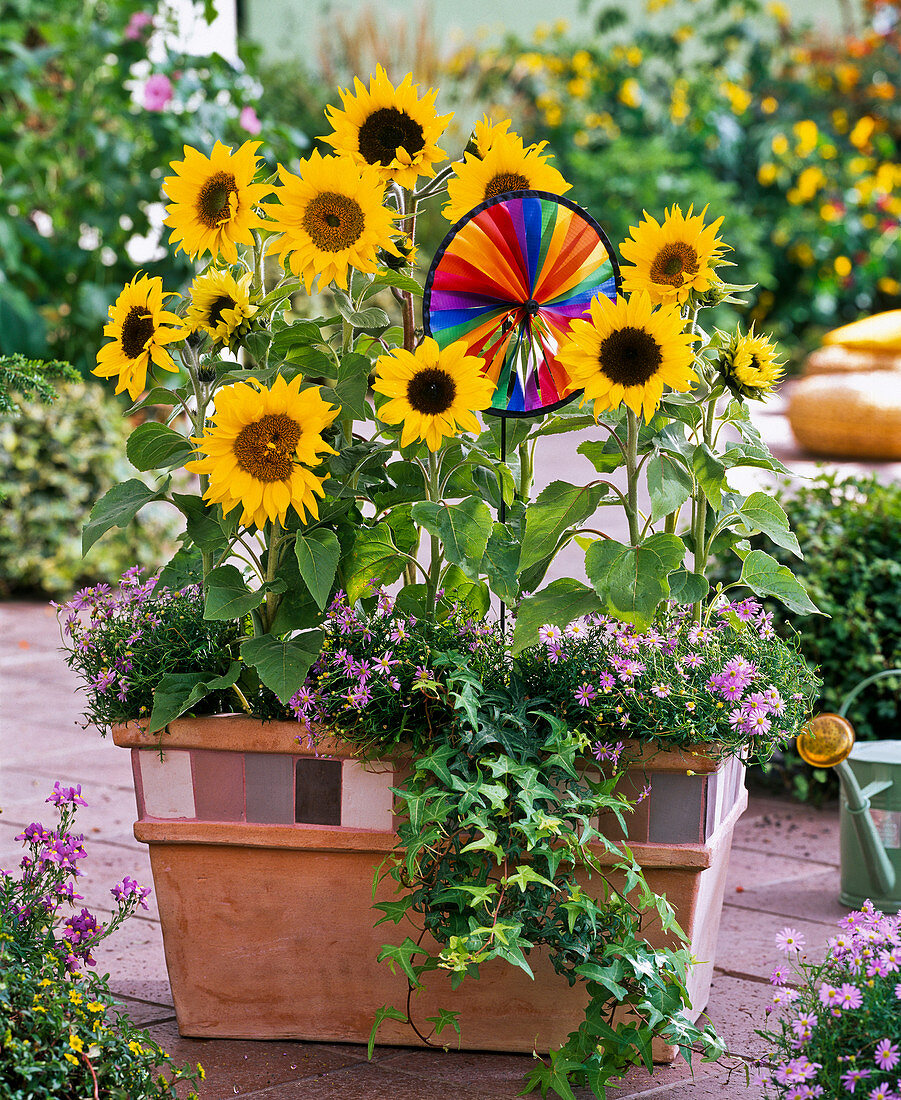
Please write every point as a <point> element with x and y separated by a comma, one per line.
<point>784,869</point>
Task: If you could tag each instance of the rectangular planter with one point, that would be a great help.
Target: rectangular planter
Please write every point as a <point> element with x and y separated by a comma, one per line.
<point>263,857</point>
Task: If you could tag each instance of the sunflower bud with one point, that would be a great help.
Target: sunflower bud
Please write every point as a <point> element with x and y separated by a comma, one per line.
<point>749,366</point>
<point>407,255</point>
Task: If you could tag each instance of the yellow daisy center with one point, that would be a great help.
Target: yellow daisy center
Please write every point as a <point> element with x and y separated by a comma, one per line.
<point>673,262</point>
<point>431,391</point>
<point>506,181</point>
<point>137,329</point>
<point>265,448</point>
<point>386,129</point>
<point>214,201</point>
<point>334,222</point>
<point>218,307</point>
<point>629,356</point>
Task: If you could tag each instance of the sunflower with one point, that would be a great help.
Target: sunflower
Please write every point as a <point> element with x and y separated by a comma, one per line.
<point>261,451</point>
<point>220,305</point>
<point>137,325</point>
<point>485,133</point>
<point>434,392</point>
<point>331,217</point>
<point>749,367</point>
<point>506,166</point>
<point>628,352</point>
<point>213,199</point>
<point>673,258</point>
<point>391,128</point>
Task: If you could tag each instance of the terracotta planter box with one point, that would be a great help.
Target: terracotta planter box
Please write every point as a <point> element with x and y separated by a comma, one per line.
<point>263,858</point>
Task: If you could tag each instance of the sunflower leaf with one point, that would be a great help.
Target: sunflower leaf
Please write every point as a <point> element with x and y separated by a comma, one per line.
<point>464,530</point>
<point>562,601</point>
<point>317,558</point>
<point>766,577</point>
<point>153,446</point>
<point>669,485</point>
<point>118,507</point>
<point>228,597</point>
<point>179,691</point>
<point>374,556</point>
<point>373,317</point>
<point>558,507</point>
<point>633,579</point>
<point>282,665</point>
<point>393,278</point>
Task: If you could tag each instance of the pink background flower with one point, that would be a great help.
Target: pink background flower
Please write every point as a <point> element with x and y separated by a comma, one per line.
<point>157,92</point>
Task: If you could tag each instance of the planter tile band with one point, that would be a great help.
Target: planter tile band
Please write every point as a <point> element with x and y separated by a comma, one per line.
<point>167,785</point>
<point>317,792</point>
<point>366,798</point>
<point>269,788</point>
<point>218,785</point>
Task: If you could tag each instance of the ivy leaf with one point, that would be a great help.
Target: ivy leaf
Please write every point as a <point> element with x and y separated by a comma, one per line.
<point>633,579</point>
<point>154,446</point>
<point>282,665</point>
<point>117,508</point>
<point>669,485</point>
<point>761,513</point>
<point>766,577</point>
<point>317,553</point>
<point>562,601</point>
<point>177,692</point>
<point>558,507</point>
<point>383,1012</point>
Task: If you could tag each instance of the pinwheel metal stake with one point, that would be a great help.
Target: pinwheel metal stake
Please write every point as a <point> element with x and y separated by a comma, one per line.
<point>508,280</point>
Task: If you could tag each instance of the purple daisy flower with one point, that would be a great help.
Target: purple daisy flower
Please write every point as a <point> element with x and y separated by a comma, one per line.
<point>789,940</point>
<point>886,1054</point>
<point>584,694</point>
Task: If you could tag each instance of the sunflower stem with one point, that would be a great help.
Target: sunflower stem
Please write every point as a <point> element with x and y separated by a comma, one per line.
<point>632,476</point>
<point>433,493</point>
<point>273,599</point>
<point>699,532</point>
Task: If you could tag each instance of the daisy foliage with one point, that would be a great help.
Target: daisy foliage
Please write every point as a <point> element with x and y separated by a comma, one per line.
<point>838,1033</point>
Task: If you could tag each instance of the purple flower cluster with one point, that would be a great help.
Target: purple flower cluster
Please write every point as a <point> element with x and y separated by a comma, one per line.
<point>31,903</point>
<point>373,655</point>
<point>841,1033</point>
<point>730,679</point>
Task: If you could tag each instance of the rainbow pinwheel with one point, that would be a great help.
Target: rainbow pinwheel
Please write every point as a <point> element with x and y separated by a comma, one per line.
<point>508,280</point>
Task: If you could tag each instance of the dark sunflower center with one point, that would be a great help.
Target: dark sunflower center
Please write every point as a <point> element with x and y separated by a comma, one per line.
<point>673,262</point>
<point>384,130</point>
<point>265,449</point>
<point>506,181</point>
<point>213,207</point>
<point>431,391</point>
<point>630,356</point>
<point>137,328</point>
<point>334,222</point>
<point>218,307</point>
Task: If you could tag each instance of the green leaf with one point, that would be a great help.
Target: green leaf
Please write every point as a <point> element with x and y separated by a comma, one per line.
<point>605,457</point>
<point>226,596</point>
<point>688,587</point>
<point>317,553</point>
<point>203,529</point>
<point>558,507</point>
<point>562,601</point>
<point>393,278</point>
<point>185,567</point>
<point>352,384</point>
<point>373,317</point>
<point>500,563</point>
<point>384,1012</point>
<point>374,557</point>
<point>464,530</point>
<point>765,576</point>
<point>177,692</point>
<point>710,473</point>
<point>117,508</point>
<point>762,513</point>
<point>282,665</point>
<point>669,485</point>
<point>633,579</point>
<point>158,395</point>
<point>153,446</point>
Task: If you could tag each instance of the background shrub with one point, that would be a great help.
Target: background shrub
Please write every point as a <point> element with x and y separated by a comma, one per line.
<point>850,531</point>
<point>56,461</point>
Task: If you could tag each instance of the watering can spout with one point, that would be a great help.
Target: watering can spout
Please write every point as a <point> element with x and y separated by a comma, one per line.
<point>825,743</point>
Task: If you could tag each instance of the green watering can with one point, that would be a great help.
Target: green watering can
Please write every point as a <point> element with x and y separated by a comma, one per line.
<point>870,804</point>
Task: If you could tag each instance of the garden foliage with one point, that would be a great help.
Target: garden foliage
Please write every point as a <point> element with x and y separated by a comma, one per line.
<point>88,112</point>
<point>55,461</point>
<point>730,103</point>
